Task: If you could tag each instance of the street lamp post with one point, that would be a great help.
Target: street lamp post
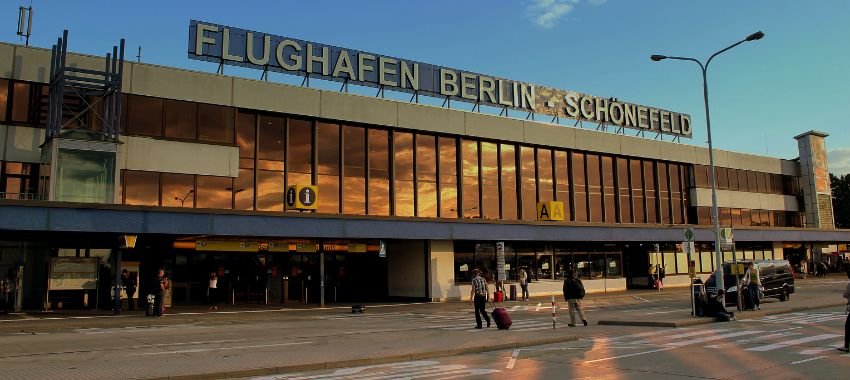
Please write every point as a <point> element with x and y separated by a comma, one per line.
<point>718,274</point>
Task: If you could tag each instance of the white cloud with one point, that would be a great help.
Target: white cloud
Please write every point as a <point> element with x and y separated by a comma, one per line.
<point>839,160</point>
<point>547,13</point>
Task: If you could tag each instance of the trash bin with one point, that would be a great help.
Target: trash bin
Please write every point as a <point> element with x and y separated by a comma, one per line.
<point>697,297</point>
<point>513,292</point>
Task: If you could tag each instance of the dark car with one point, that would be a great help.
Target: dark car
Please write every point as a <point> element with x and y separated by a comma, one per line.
<point>777,280</point>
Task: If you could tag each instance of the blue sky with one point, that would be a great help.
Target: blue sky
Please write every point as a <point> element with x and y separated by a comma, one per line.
<point>762,93</point>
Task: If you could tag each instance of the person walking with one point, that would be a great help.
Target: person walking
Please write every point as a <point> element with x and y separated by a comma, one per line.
<point>753,280</point>
<point>212,291</point>
<point>846,347</point>
<point>479,296</point>
<point>661,274</point>
<point>651,276</point>
<point>523,283</point>
<point>573,294</point>
<point>3,295</point>
<point>129,284</point>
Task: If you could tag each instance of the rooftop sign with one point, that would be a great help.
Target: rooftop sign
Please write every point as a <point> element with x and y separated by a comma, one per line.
<point>240,47</point>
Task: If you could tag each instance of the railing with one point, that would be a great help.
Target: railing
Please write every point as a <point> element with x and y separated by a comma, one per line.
<point>20,196</point>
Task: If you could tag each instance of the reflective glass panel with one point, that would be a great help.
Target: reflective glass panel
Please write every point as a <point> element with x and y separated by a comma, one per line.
<point>579,187</point>
<point>490,180</point>
<point>379,172</point>
<point>403,173</point>
<point>426,176</point>
<point>4,98</point>
<point>269,190</point>
<point>300,152</point>
<point>448,177</point>
<point>545,183</point>
<point>664,193</point>
<point>243,191</point>
<point>594,187</point>
<point>624,190</point>
<point>528,183</point>
<point>469,204</point>
<point>214,192</point>
<point>328,167</point>
<point>141,188</point>
<point>21,102</point>
<point>215,123</point>
<point>144,116</point>
<point>638,200</point>
<point>181,119</point>
<point>246,127</point>
<point>651,195</point>
<point>354,170</point>
<point>178,190</point>
<point>272,139</point>
<point>609,171</point>
<point>509,190</point>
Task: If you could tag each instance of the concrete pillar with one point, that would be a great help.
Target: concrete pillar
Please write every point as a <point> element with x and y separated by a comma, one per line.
<point>814,180</point>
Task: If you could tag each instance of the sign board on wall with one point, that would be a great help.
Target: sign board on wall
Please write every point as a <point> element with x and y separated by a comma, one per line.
<point>552,210</point>
<point>73,273</point>
<point>228,45</point>
<point>302,197</point>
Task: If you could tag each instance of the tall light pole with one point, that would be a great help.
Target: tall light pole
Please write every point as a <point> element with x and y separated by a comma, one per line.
<point>718,273</point>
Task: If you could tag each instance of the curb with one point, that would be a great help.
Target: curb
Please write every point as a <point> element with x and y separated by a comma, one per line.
<point>705,321</point>
<point>370,361</point>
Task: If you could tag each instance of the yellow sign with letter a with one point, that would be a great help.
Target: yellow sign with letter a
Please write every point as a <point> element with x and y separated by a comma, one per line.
<point>552,210</point>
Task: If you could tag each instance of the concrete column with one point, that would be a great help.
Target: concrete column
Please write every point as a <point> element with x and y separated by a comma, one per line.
<point>814,180</point>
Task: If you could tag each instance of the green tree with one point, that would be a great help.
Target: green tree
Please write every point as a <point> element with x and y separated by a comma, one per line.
<point>840,199</point>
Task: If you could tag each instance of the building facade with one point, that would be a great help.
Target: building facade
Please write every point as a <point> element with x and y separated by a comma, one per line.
<point>411,198</point>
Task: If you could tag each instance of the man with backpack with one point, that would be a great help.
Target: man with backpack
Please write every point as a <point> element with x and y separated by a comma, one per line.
<point>573,294</point>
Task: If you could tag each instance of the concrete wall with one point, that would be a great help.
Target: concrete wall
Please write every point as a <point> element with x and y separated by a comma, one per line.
<point>441,271</point>
<point>744,199</point>
<point>32,64</point>
<point>142,153</point>
<point>406,269</point>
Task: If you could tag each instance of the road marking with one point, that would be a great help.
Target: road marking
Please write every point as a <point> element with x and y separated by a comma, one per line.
<point>538,307</point>
<point>807,360</point>
<point>668,311</point>
<point>406,370</point>
<point>793,342</point>
<point>218,349</point>
<point>630,355</point>
<point>642,299</point>
<point>711,338</point>
<point>640,335</point>
<point>815,351</point>
<point>513,360</point>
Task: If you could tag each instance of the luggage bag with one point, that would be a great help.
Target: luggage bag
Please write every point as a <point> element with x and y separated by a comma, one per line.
<point>501,317</point>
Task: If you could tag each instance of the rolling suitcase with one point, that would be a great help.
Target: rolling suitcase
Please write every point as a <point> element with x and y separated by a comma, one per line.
<point>501,317</point>
<point>499,296</point>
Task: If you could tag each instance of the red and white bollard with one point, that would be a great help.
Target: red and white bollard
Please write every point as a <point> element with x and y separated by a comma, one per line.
<point>554,308</point>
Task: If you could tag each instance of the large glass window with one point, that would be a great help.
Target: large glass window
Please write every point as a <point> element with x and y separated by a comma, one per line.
<point>651,195</point>
<point>214,192</point>
<point>21,100</point>
<point>269,190</point>
<point>448,177</point>
<point>379,173</point>
<point>545,183</point>
<point>562,181</point>
<point>664,194</point>
<point>623,190</point>
<point>489,180</point>
<point>507,154</point>
<point>354,170</point>
<point>299,152</point>
<point>144,116</point>
<point>271,143</point>
<point>579,187</point>
<point>469,203</point>
<point>327,168</point>
<point>676,193</point>
<point>609,171</point>
<point>181,119</point>
<point>638,200</point>
<point>178,190</point>
<point>215,123</point>
<point>141,188</point>
<point>243,190</point>
<point>246,128</point>
<point>426,176</point>
<point>403,173</point>
<point>594,188</point>
<point>528,183</point>
<point>85,176</point>
<point>701,178</point>
<point>4,98</point>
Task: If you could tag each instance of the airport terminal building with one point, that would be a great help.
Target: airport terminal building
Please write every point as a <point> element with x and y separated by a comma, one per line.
<point>290,193</point>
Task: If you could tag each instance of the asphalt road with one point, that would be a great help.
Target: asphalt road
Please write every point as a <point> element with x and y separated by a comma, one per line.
<point>789,346</point>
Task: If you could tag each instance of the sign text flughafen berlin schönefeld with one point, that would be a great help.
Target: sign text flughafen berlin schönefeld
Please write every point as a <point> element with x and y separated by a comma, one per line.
<point>240,47</point>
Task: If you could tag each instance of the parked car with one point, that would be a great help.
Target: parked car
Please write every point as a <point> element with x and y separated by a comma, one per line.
<point>777,280</point>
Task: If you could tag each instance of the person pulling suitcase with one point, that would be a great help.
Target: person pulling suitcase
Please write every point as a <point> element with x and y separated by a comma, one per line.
<point>479,296</point>
<point>573,294</point>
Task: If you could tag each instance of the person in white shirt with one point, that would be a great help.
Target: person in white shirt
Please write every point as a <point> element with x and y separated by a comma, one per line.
<point>213,291</point>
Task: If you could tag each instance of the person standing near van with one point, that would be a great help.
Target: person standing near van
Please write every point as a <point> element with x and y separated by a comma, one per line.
<point>753,281</point>
<point>846,347</point>
<point>523,283</point>
<point>573,294</point>
<point>129,283</point>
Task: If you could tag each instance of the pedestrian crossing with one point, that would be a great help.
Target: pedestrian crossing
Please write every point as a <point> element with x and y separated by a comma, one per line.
<point>795,340</point>
<point>420,369</point>
<point>453,321</point>
<point>801,318</point>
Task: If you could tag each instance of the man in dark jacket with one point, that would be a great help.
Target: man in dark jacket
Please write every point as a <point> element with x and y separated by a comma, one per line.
<point>714,308</point>
<point>129,283</point>
<point>573,294</point>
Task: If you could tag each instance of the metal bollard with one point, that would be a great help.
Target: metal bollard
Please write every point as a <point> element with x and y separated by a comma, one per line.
<point>554,318</point>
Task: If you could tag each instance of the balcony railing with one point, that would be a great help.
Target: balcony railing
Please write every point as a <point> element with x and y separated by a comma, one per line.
<point>20,196</point>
